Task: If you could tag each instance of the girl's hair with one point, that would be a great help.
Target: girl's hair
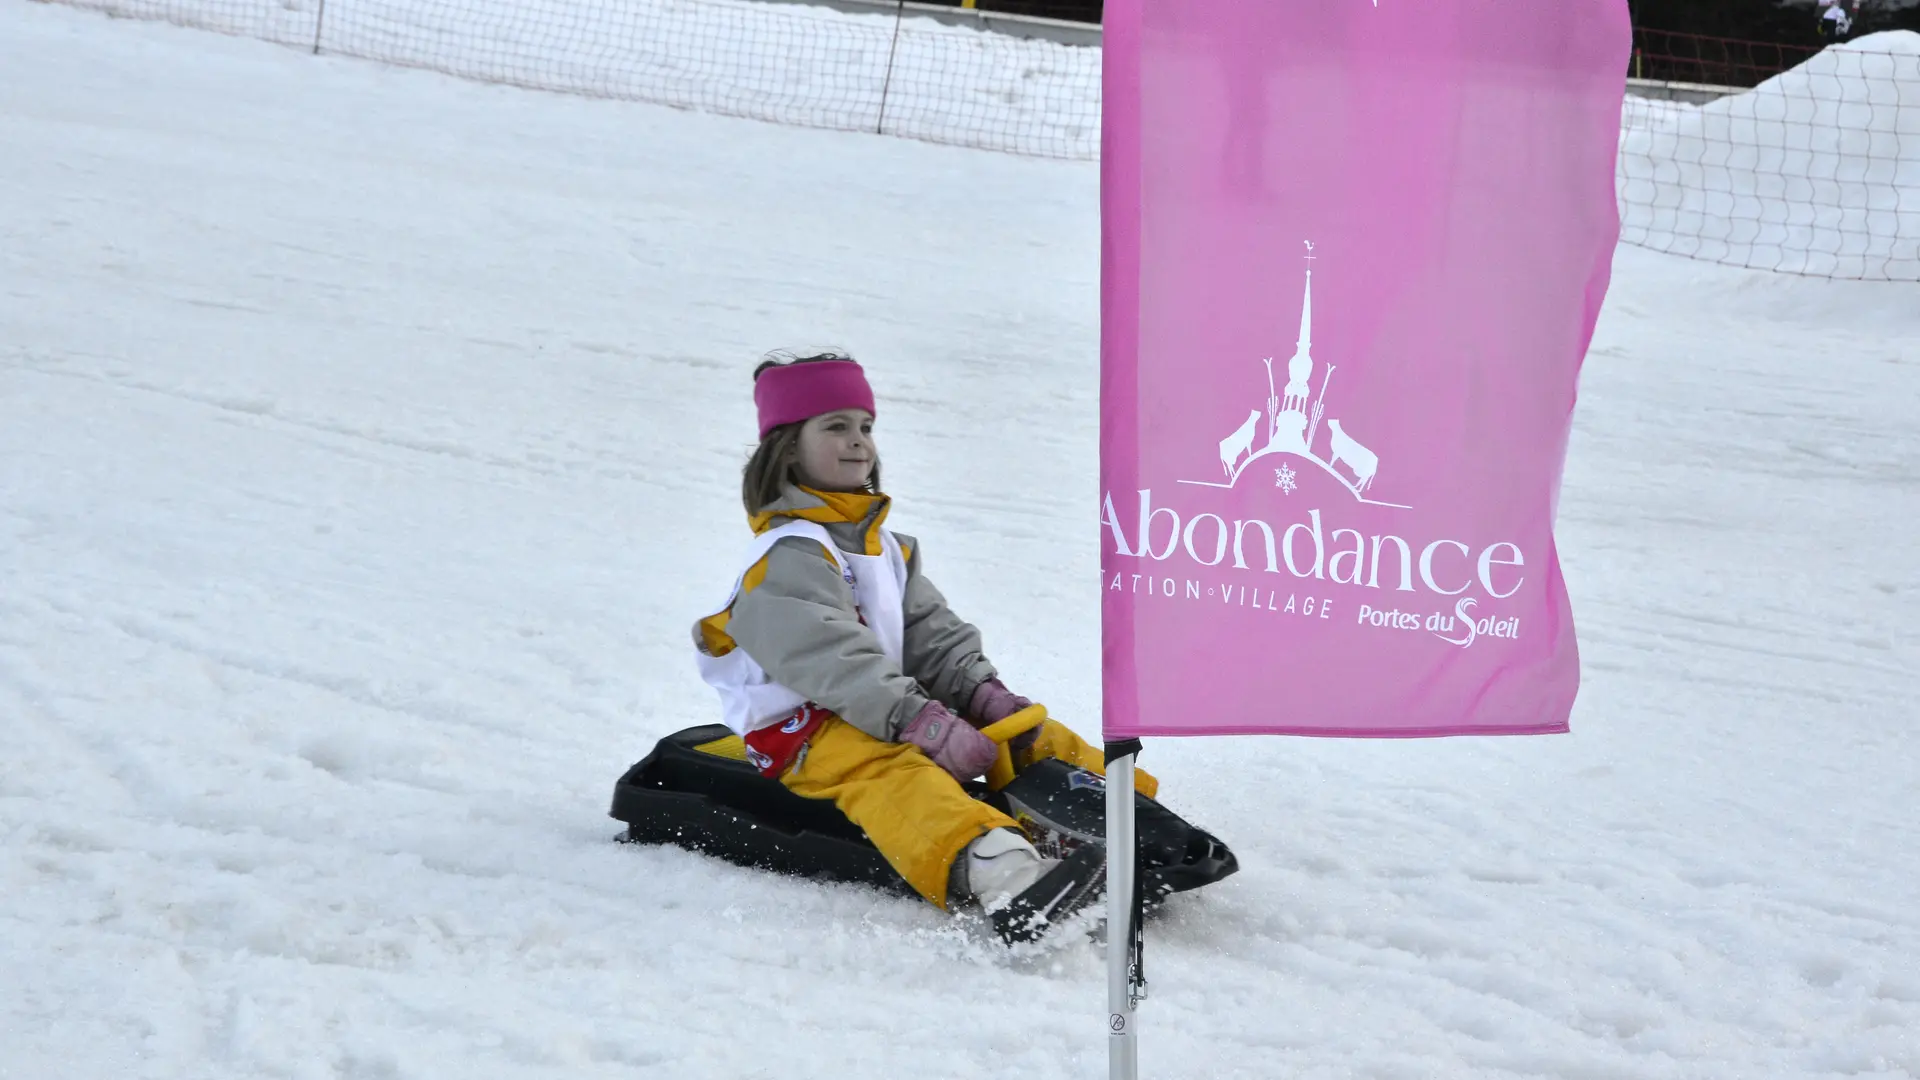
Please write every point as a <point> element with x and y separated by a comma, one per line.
<point>772,462</point>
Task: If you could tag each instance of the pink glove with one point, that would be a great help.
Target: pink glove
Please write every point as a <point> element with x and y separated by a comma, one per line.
<point>951,742</point>
<point>993,702</point>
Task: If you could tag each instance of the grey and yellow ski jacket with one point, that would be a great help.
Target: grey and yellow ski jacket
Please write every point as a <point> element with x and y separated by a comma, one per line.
<point>795,616</point>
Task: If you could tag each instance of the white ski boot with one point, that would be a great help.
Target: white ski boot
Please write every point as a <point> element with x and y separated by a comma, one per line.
<point>1025,893</point>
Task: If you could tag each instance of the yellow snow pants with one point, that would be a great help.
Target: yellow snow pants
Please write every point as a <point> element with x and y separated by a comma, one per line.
<point>913,810</point>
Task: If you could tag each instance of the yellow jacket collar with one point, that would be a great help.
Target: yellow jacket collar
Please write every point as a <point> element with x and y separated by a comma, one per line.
<point>828,508</point>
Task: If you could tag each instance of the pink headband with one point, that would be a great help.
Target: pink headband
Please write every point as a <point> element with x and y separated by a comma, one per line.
<point>796,392</point>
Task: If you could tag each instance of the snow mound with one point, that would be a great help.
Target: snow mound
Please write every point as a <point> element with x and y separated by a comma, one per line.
<point>1816,171</point>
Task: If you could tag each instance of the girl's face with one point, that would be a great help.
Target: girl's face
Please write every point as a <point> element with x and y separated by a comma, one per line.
<point>836,451</point>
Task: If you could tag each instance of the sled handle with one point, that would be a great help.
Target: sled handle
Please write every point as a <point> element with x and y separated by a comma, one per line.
<point>1000,774</point>
<point>1016,724</point>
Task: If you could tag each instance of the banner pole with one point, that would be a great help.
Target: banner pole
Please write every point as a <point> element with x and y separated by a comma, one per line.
<point>1122,911</point>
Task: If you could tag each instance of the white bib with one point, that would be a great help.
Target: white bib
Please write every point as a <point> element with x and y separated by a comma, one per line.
<point>749,698</point>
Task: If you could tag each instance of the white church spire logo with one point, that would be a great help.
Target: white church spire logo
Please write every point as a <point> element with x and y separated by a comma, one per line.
<point>1301,366</point>
<point>1293,426</point>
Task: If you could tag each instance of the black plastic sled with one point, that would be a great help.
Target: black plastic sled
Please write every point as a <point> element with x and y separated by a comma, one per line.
<point>697,791</point>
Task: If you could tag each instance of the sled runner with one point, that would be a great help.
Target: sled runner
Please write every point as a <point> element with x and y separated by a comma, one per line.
<point>696,790</point>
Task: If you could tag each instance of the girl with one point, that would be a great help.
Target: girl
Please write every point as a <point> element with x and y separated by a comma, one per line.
<point>850,679</point>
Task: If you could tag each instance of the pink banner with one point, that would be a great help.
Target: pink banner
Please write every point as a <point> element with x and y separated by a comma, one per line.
<point>1353,256</point>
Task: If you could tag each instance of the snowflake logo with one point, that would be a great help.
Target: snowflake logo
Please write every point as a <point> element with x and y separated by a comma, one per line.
<point>1283,479</point>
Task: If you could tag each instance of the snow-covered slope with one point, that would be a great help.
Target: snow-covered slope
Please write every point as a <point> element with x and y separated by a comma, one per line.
<point>368,440</point>
<point>792,63</point>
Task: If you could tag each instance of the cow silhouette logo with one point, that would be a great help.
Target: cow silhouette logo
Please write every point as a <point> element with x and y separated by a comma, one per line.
<point>1293,414</point>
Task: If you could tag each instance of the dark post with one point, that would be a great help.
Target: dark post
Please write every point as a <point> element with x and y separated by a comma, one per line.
<point>899,12</point>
